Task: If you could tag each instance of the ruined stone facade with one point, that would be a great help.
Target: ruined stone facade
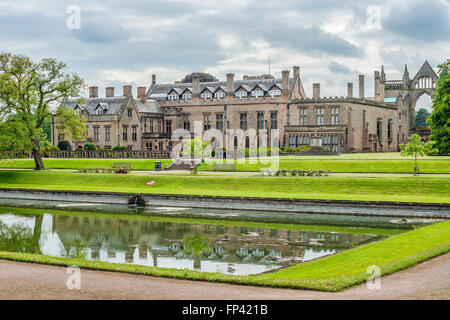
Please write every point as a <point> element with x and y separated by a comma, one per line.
<point>345,124</point>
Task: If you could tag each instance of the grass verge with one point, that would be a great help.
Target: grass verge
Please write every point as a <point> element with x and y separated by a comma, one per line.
<point>333,273</point>
<point>400,189</point>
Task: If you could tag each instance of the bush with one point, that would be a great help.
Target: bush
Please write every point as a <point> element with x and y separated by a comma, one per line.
<point>120,148</point>
<point>64,145</point>
<point>46,150</point>
<point>89,146</point>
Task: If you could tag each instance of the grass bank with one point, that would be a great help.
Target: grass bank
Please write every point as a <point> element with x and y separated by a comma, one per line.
<point>400,189</point>
<point>333,273</point>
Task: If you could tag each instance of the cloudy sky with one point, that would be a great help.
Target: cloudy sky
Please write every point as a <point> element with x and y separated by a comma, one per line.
<point>124,42</point>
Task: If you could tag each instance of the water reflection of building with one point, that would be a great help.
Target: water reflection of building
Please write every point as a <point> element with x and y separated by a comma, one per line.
<point>166,239</point>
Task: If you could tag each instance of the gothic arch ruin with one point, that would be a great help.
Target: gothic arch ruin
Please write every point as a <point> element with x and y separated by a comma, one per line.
<point>408,91</point>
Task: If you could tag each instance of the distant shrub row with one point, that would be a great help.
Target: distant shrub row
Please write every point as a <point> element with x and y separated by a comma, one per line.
<point>295,172</point>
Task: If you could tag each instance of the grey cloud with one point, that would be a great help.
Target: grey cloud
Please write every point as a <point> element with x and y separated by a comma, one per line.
<point>425,20</point>
<point>336,67</point>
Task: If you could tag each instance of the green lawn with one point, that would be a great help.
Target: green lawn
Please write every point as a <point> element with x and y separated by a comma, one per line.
<point>333,273</point>
<point>347,165</point>
<point>351,163</point>
<point>136,164</point>
<point>402,189</point>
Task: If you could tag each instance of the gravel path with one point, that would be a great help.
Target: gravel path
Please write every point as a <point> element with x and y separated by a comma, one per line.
<point>428,280</point>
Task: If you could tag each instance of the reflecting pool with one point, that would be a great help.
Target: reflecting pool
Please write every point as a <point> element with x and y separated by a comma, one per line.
<point>232,248</point>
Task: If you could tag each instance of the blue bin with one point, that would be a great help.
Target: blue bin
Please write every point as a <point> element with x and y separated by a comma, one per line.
<point>157,165</point>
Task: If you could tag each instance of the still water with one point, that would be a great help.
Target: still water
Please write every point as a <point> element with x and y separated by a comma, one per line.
<point>120,238</point>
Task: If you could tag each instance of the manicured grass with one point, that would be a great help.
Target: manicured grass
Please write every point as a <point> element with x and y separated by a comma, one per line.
<point>366,156</point>
<point>355,166</point>
<point>333,273</point>
<point>401,189</point>
<point>136,164</point>
<point>352,163</point>
<point>249,224</point>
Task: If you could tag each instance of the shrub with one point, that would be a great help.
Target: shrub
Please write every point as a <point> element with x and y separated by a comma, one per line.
<point>46,150</point>
<point>64,145</point>
<point>120,148</point>
<point>89,146</point>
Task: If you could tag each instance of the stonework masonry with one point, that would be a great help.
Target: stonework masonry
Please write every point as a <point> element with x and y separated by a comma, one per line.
<point>344,124</point>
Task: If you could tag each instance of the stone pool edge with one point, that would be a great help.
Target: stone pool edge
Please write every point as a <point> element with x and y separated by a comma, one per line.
<point>340,207</point>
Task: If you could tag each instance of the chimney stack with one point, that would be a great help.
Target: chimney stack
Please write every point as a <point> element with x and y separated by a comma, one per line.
<point>230,84</point>
<point>296,72</point>
<point>361,86</point>
<point>316,90</point>
<point>376,84</point>
<point>153,79</point>
<point>127,90</point>
<point>285,81</point>
<point>93,92</point>
<point>350,89</point>
<point>141,93</point>
<point>195,86</point>
<point>109,92</point>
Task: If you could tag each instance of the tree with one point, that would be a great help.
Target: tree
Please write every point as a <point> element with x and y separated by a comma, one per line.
<point>439,121</point>
<point>29,91</point>
<point>204,77</point>
<point>196,245</point>
<point>416,147</point>
<point>421,117</point>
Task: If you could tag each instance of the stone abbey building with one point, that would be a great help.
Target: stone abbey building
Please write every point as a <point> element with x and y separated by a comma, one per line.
<point>354,123</point>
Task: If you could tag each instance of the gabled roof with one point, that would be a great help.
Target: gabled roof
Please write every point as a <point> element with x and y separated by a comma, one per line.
<point>186,89</point>
<point>261,86</point>
<point>426,70</point>
<point>224,89</point>
<point>149,106</point>
<point>102,105</point>
<point>210,89</point>
<point>115,105</point>
<point>177,91</point>
<point>160,91</point>
<point>243,86</point>
<point>275,85</point>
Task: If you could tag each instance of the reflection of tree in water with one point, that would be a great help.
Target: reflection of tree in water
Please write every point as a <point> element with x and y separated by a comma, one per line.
<point>76,249</point>
<point>18,238</point>
<point>196,245</point>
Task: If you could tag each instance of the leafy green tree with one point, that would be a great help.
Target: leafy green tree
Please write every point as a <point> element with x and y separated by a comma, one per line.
<point>204,77</point>
<point>196,245</point>
<point>417,148</point>
<point>13,136</point>
<point>30,91</point>
<point>439,121</point>
<point>421,117</point>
